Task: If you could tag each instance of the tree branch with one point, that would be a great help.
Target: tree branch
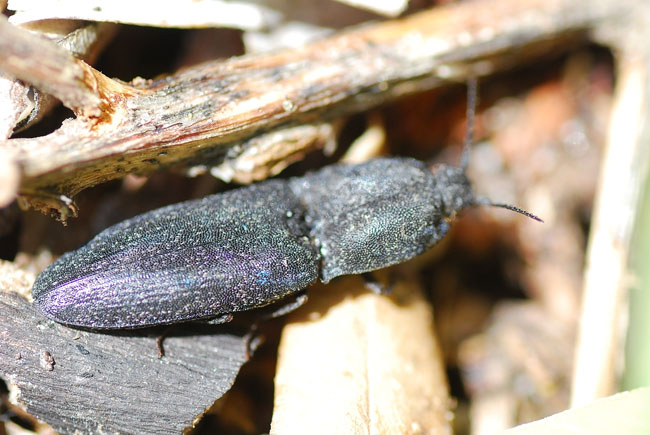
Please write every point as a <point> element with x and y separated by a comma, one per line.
<point>199,114</point>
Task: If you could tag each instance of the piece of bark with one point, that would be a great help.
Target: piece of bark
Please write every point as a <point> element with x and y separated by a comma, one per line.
<point>351,361</point>
<point>85,382</point>
<point>197,114</point>
<point>22,105</point>
<point>268,154</point>
<point>54,70</point>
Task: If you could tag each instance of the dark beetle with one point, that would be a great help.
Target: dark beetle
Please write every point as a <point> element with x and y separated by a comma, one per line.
<point>249,247</point>
<point>252,246</point>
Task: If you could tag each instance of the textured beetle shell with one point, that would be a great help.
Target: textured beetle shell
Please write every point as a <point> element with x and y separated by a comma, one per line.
<point>252,246</point>
<point>197,259</point>
<point>369,216</point>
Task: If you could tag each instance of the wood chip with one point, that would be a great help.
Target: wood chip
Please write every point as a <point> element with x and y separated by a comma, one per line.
<point>355,362</point>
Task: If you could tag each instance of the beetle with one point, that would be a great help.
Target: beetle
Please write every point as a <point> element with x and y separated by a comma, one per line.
<point>250,247</point>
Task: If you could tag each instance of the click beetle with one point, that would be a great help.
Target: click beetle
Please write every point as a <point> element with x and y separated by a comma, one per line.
<point>249,247</point>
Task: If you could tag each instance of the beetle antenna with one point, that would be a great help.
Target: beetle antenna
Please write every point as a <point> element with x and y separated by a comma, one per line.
<point>472,99</point>
<point>486,201</point>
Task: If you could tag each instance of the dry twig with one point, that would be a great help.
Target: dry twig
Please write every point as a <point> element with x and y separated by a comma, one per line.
<point>199,114</point>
